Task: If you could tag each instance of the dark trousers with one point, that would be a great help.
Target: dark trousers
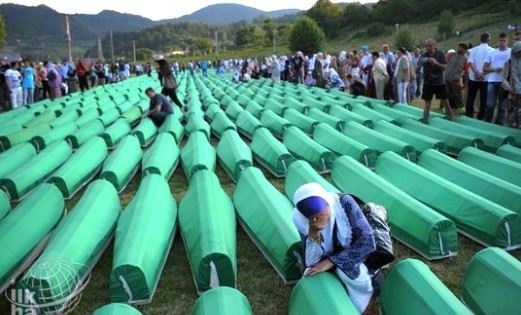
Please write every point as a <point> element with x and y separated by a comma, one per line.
<point>158,118</point>
<point>474,87</point>
<point>173,95</point>
<point>46,89</point>
<point>84,83</point>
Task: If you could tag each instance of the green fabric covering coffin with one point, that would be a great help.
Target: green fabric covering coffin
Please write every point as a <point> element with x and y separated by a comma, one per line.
<point>115,132</point>
<point>80,167</point>
<point>485,185</point>
<point>197,154</point>
<point>123,163</point>
<point>247,124</point>
<point>233,109</point>
<point>415,111</point>
<point>492,283</point>
<point>491,164</point>
<point>5,206</point>
<point>412,223</point>
<point>312,102</point>
<point>144,235</point>
<point>455,142</point>
<point>174,127</point>
<point>59,133</point>
<point>510,153</point>
<point>266,215</point>
<point>371,114</point>
<point>7,141</point>
<point>341,144</point>
<point>16,158</point>
<point>25,228</point>
<point>274,106</point>
<point>69,116</point>
<point>303,147</point>
<point>117,309</point>
<point>74,248</point>
<point>18,183</point>
<point>197,123</point>
<point>44,118</point>
<point>233,154</point>
<point>9,127</point>
<point>295,104</point>
<point>418,141</point>
<point>85,133</point>
<point>207,222</point>
<point>480,124</point>
<point>270,152</point>
<point>322,117</point>
<point>221,123</point>
<point>491,140</point>
<point>146,131</point>
<point>132,115</point>
<point>347,115</point>
<point>211,111</point>
<point>379,142</point>
<point>276,124</point>
<point>300,173</point>
<point>254,108</point>
<point>162,157</point>
<point>87,116</point>
<point>320,294</point>
<point>480,219</point>
<point>222,301</point>
<point>410,287</point>
<point>110,116</point>
<point>395,115</point>
<point>303,122</point>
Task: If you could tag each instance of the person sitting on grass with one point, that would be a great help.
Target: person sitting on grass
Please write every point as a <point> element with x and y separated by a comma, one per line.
<point>159,108</point>
<point>336,237</point>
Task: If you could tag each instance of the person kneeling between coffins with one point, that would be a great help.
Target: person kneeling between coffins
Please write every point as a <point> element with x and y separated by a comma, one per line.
<point>159,108</point>
<point>336,237</point>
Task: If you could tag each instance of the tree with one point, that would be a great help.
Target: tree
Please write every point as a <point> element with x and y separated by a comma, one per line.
<point>327,15</point>
<point>3,33</point>
<point>283,33</point>
<point>144,54</point>
<point>446,24</point>
<point>307,37</point>
<point>204,45</point>
<point>356,14</point>
<point>405,37</point>
<point>268,26</point>
<point>242,37</point>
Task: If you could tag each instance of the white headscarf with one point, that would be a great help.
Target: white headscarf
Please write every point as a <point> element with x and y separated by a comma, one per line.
<point>342,55</point>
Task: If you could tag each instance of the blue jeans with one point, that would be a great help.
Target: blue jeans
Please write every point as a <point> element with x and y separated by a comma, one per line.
<point>493,89</point>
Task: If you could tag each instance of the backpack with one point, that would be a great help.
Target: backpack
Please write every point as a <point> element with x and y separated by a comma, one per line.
<point>51,75</point>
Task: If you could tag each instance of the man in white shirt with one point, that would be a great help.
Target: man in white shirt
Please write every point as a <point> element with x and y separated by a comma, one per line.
<point>14,86</point>
<point>380,75</point>
<point>493,67</point>
<point>477,78</point>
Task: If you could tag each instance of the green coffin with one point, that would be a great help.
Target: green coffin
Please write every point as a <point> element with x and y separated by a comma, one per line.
<point>117,309</point>
<point>492,164</point>
<point>197,154</point>
<point>80,167</point>
<point>492,283</point>
<point>483,125</point>
<point>266,215</point>
<point>207,222</point>
<point>371,114</point>
<point>297,119</point>
<point>146,131</point>
<point>16,158</point>
<point>276,124</point>
<point>510,153</point>
<point>491,140</point>
<point>394,114</point>
<point>233,154</point>
<point>7,141</point>
<point>74,248</point>
<point>415,111</point>
<point>254,108</point>
<point>221,123</point>
<point>410,287</point>
<point>88,131</point>
<point>222,301</point>
<point>115,132</point>
<point>109,116</point>
<point>482,220</point>
<point>341,144</point>
<point>18,183</point>
<point>247,124</point>
<point>5,205</point>
<point>211,111</point>
<point>455,142</point>
<point>69,116</point>
<point>144,235</point>
<point>123,163</point>
<point>303,147</point>
<point>418,141</point>
<point>233,109</point>
<point>330,120</point>
<point>270,152</point>
<point>162,157</point>
<point>292,103</point>
<point>301,172</point>
<point>26,227</point>
<point>379,142</point>
<point>274,106</point>
<point>347,115</point>
<point>132,115</point>
<point>315,103</point>
<point>412,223</point>
<point>174,127</point>
<point>44,118</point>
<point>42,140</point>
<point>87,116</point>
<point>319,295</point>
<point>9,127</point>
<point>197,123</point>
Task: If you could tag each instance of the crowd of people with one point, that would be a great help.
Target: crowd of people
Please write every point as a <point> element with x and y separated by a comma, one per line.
<point>24,82</point>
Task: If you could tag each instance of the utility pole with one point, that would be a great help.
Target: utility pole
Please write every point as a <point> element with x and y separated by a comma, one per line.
<point>217,43</point>
<point>112,46</point>
<point>100,50</point>
<point>134,49</point>
<point>68,37</point>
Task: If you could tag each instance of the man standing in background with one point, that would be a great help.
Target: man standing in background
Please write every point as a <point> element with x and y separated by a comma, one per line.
<point>477,78</point>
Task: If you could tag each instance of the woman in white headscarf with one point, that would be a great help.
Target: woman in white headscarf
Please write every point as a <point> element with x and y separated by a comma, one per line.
<point>336,237</point>
<point>343,65</point>
<point>275,69</point>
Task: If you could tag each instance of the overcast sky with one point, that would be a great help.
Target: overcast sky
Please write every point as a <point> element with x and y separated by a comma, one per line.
<point>158,10</point>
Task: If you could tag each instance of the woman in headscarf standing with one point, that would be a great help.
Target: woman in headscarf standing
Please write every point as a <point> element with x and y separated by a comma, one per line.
<point>168,82</point>
<point>343,65</point>
<point>275,69</point>
<point>335,237</point>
